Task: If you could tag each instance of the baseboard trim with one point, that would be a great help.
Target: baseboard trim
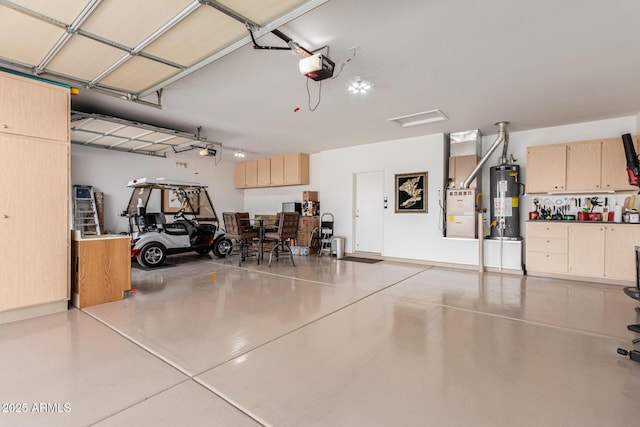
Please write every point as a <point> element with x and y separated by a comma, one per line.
<point>33,311</point>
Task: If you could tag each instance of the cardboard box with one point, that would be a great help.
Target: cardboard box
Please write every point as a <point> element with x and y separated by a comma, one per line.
<point>303,238</point>
<point>311,196</point>
<point>308,223</point>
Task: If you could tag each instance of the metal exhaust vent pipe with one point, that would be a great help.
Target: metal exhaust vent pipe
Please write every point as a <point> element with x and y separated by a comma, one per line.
<point>502,138</point>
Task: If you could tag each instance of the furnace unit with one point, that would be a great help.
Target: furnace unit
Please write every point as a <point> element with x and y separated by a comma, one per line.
<point>464,153</point>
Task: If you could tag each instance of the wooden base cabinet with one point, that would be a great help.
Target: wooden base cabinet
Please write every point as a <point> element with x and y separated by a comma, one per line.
<point>586,250</point>
<point>547,247</point>
<point>101,270</point>
<point>600,251</point>
<point>620,250</point>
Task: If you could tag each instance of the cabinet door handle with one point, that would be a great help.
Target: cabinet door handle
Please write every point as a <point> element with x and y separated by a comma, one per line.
<point>5,126</point>
<point>5,216</point>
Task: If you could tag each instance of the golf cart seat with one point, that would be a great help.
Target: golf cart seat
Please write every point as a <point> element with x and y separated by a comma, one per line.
<point>155,219</point>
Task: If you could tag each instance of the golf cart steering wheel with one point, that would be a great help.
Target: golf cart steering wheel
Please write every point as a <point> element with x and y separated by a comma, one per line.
<point>179,215</point>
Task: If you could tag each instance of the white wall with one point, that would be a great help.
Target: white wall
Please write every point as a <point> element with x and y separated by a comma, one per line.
<point>414,236</point>
<point>109,172</point>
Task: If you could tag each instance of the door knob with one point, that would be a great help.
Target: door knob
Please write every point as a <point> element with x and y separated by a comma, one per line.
<point>5,126</point>
<point>5,216</point>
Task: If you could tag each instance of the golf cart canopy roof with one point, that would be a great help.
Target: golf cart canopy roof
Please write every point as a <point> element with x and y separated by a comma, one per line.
<point>190,198</point>
<point>162,183</point>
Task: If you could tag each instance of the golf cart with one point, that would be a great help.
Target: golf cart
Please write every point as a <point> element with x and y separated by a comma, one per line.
<point>195,225</point>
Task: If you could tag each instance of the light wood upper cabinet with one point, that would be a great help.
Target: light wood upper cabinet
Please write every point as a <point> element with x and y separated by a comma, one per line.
<point>251,173</point>
<point>296,169</point>
<point>241,178</point>
<point>619,253</point>
<point>583,166</point>
<point>32,108</point>
<point>598,165</point>
<point>264,172</point>
<point>614,165</point>
<point>289,169</point>
<point>586,250</point>
<point>546,168</point>
<point>277,170</point>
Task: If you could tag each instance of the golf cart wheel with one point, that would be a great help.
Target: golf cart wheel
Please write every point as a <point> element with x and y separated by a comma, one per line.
<point>221,246</point>
<point>152,255</point>
<point>203,251</point>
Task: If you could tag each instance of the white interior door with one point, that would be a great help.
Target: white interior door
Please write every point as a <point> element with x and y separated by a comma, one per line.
<point>368,212</point>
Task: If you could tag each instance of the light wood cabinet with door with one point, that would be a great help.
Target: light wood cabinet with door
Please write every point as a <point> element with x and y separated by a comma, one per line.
<point>246,174</point>
<point>264,172</point>
<point>546,168</point>
<point>619,253</point>
<point>614,165</point>
<point>584,166</point>
<point>34,207</point>
<point>101,269</point>
<point>586,250</point>
<point>296,169</point>
<point>241,175</point>
<point>277,170</point>
<point>251,173</point>
<point>33,108</point>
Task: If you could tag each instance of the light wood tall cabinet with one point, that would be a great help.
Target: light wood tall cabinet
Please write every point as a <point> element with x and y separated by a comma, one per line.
<point>34,206</point>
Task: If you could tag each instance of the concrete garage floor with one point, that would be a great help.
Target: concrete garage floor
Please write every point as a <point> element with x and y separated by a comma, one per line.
<point>327,343</point>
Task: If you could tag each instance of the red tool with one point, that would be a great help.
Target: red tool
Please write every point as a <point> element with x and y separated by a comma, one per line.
<point>633,165</point>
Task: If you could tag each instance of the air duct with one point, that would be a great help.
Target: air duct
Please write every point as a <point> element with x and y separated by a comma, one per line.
<point>503,137</point>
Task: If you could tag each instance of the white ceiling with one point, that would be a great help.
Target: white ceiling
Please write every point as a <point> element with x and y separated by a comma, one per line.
<point>533,63</point>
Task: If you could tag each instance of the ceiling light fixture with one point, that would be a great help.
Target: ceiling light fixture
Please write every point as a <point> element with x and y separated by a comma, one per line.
<point>240,154</point>
<point>359,86</point>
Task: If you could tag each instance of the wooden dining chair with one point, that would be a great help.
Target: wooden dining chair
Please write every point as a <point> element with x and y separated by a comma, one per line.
<point>238,229</point>
<point>287,229</point>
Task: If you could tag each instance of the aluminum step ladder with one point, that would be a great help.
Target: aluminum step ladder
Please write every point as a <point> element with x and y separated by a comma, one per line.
<point>85,213</point>
<point>326,233</point>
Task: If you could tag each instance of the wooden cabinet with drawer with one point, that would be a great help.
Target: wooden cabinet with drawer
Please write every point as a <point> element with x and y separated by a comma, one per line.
<point>547,247</point>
